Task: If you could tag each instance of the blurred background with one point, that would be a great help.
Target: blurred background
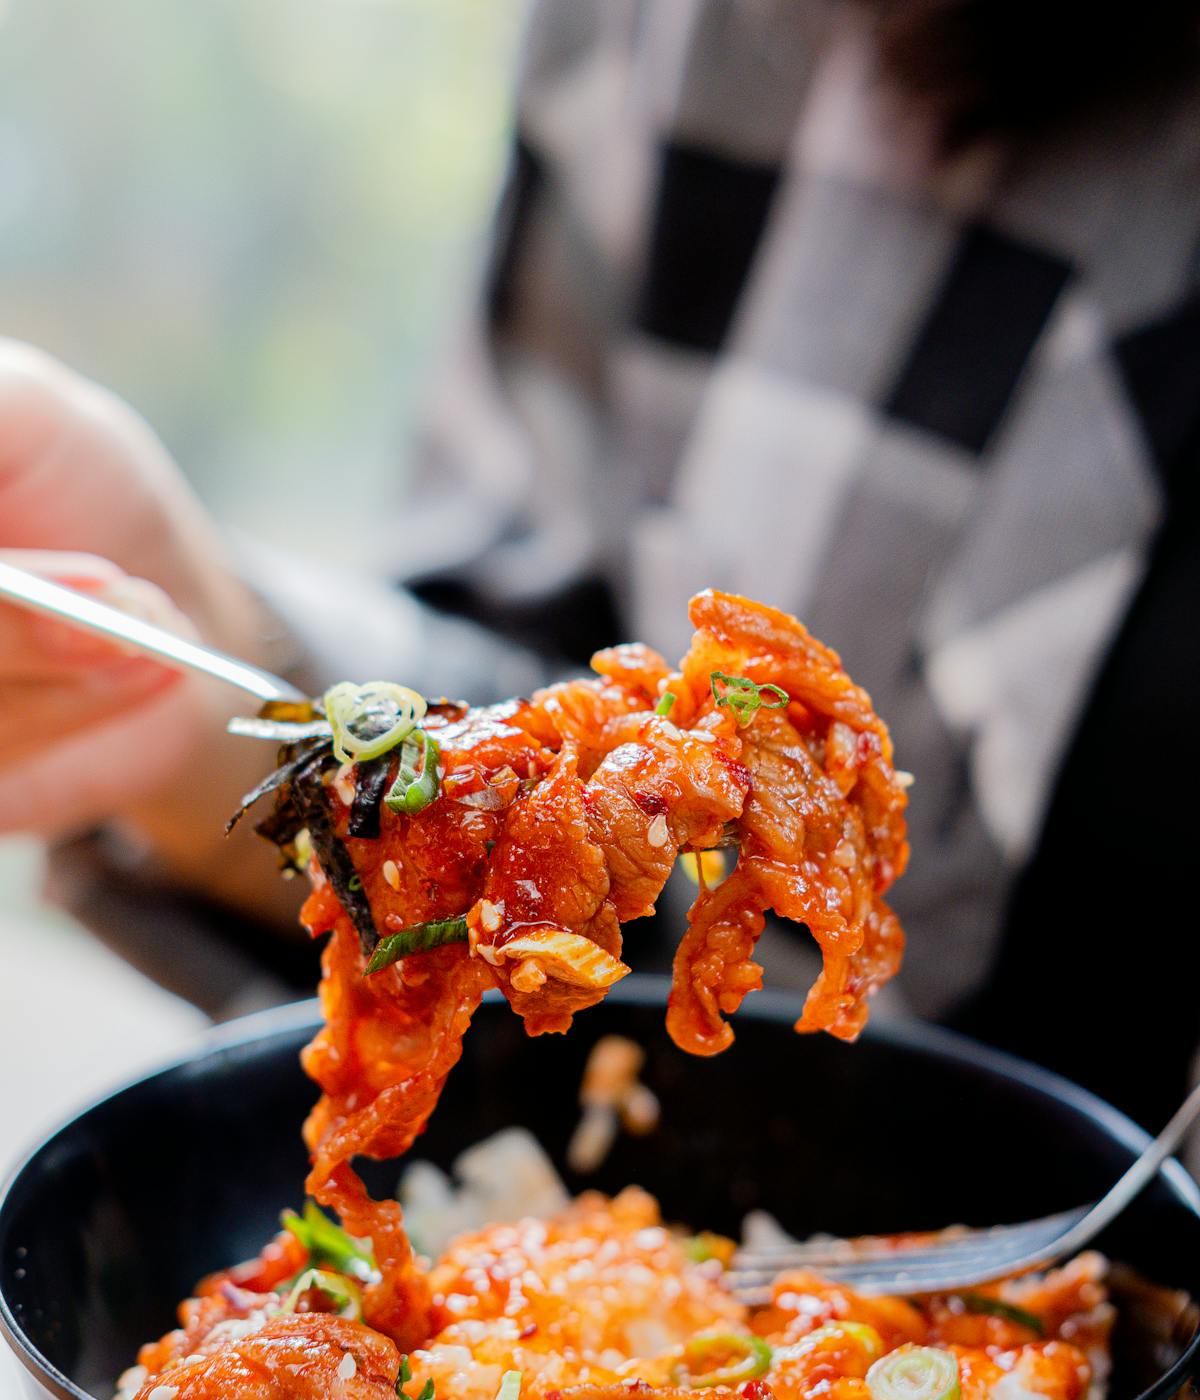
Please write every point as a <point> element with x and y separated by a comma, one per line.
<point>252,219</point>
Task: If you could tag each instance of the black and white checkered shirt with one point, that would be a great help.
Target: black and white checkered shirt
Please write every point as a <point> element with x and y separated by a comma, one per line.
<point>745,330</point>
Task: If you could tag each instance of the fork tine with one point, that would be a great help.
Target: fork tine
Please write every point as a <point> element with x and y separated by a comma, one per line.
<point>871,1266</point>
<point>880,1248</point>
<point>911,1262</point>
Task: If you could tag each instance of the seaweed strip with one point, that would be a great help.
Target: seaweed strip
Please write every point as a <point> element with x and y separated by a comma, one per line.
<point>275,779</point>
<point>286,820</point>
<point>306,794</point>
<point>301,805</point>
<point>371,780</point>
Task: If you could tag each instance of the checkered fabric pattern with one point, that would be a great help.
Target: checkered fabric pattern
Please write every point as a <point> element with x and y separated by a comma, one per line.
<point>744,329</point>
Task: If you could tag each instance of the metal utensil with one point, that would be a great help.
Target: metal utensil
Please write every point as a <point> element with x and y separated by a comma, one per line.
<point>875,1264</point>
<point>31,591</point>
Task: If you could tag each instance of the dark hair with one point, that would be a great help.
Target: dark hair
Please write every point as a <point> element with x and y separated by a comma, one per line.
<point>1009,65</point>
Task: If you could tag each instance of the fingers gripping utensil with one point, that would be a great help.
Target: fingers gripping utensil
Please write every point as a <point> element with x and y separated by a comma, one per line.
<point>54,600</point>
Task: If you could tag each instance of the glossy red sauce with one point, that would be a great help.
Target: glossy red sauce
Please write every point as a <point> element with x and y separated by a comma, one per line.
<point>559,819</point>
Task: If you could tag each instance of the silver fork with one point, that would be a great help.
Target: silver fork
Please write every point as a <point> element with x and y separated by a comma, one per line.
<point>54,600</point>
<point>875,1264</point>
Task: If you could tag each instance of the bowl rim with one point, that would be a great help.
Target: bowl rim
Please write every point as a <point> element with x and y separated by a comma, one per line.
<point>639,989</point>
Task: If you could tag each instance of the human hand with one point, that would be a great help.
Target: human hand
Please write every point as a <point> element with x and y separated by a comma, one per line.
<point>90,497</point>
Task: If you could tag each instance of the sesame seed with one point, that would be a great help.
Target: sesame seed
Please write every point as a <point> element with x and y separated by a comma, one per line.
<point>903,778</point>
<point>658,833</point>
<point>163,1392</point>
<point>391,873</point>
<point>129,1382</point>
<point>343,784</point>
<point>348,1369</point>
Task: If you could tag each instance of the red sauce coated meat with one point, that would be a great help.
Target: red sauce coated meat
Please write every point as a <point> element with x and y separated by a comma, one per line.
<point>303,1356</point>
<point>558,819</point>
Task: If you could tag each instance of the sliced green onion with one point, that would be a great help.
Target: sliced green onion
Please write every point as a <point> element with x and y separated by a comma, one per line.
<point>997,1307</point>
<point>405,1376</point>
<point>666,704</point>
<point>413,792</point>
<point>418,939</point>
<point>510,1386</point>
<point>861,1333</point>
<point>914,1373</point>
<point>745,1356</point>
<point>371,719</point>
<point>707,1245</point>
<point>744,696</point>
<point>344,1292</point>
<point>328,1243</point>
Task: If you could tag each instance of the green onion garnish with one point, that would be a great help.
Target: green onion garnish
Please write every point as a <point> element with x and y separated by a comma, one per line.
<point>327,1243</point>
<point>997,1307</point>
<point>666,704</point>
<point>510,1386</point>
<point>914,1373</point>
<point>413,792</point>
<point>344,1292</point>
<point>865,1337</point>
<point>740,1357</point>
<point>371,719</point>
<point>427,1390</point>
<point>700,1248</point>
<point>744,696</point>
<point>418,939</point>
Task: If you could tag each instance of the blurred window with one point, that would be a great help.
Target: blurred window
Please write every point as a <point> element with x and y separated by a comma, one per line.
<point>254,219</point>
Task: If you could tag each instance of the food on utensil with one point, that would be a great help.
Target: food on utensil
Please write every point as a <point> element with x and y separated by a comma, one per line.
<point>453,849</point>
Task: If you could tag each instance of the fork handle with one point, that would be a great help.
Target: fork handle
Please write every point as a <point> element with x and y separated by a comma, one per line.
<point>41,595</point>
<point>1136,1179</point>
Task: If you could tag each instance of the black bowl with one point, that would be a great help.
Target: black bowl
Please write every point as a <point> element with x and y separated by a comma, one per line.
<point>115,1216</point>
